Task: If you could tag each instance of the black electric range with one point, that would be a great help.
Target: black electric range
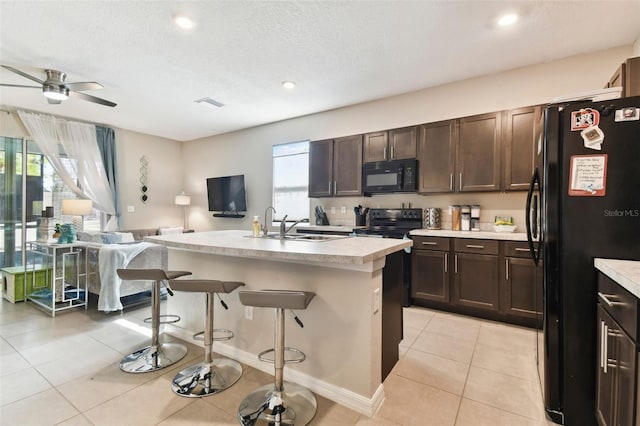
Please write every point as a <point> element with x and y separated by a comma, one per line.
<point>395,223</point>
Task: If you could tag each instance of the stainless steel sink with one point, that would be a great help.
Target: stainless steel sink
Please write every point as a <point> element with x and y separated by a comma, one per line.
<point>307,237</point>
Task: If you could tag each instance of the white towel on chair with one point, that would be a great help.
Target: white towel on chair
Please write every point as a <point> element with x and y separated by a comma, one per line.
<point>110,258</point>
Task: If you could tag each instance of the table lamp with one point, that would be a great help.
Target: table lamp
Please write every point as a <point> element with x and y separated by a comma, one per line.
<point>184,200</point>
<point>77,209</point>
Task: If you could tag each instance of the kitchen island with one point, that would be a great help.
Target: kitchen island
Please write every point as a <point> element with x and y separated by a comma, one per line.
<point>347,326</point>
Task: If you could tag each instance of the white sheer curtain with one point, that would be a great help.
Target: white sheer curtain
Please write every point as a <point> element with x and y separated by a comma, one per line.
<point>78,141</point>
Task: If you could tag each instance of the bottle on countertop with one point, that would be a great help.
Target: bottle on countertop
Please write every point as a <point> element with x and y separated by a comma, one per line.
<point>255,224</point>
<point>455,218</point>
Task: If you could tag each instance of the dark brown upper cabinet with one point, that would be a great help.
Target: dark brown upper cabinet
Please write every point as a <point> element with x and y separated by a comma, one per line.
<point>519,147</point>
<point>436,156</point>
<point>394,144</point>
<point>627,76</point>
<point>479,147</point>
<point>335,167</point>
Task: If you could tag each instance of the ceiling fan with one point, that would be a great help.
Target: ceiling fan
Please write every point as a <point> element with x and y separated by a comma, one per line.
<point>56,90</point>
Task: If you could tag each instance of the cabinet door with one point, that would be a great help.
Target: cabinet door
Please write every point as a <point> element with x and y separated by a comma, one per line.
<point>430,275</point>
<point>632,77</point>
<point>606,380</point>
<point>436,156</point>
<point>402,143</point>
<point>519,147</point>
<point>375,147</point>
<point>618,79</point>
<point>321,168</point>
<point>479,147</point>
<point>476,281</point>
<point>626,366</point>
<point>347,166</point>
<point>518,292</point>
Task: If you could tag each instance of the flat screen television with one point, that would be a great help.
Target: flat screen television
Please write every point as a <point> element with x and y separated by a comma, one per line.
<point>227,196</point>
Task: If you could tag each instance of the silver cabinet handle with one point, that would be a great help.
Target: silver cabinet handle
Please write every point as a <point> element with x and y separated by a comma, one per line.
<point>446,263</point>
<point>475,246</point>
<point>506,267</point>
<point>605,299</point>
<point>522,249</point>
<point>455,263</point>
<point>450,181</point>
<point>602,337</point>
<point>329,187</point>
<point>384,155</point>
<point>429,243</point>
<point>606,348</point>
<point>335,187</point>
<point>460,181</point>
<point>392,152</point>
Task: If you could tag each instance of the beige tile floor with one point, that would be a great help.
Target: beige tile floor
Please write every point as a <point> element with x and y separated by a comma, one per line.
<point>453,370</point>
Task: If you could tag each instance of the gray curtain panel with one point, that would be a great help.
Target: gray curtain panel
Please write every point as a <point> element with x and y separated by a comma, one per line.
<point>107,147</point>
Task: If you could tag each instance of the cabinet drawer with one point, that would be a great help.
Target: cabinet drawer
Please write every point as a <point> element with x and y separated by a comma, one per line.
<point>517,249</point>
<point>431,243</point>
<point>465,245</point>
<point>619,303</point>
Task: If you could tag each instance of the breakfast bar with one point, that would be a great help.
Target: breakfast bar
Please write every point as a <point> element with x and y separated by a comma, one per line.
<point>351,329</point>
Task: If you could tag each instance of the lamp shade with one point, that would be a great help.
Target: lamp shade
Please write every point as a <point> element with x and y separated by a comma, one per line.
<point>75,207</point>
<point>183,200</point>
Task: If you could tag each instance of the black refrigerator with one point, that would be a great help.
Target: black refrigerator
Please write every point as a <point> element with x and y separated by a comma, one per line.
<point>583,203</point>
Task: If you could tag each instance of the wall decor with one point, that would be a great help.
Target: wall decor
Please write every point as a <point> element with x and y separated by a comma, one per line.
<point>144,171</point>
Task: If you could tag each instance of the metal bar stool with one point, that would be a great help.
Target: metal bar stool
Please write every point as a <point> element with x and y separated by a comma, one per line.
<point>212,375</point>
<point>157,355</point>
<point>279,403</point>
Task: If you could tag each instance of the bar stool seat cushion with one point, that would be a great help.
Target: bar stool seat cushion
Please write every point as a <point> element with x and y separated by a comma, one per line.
<point>204,286</point>
<point>283,299</point>
<point>150,274</point>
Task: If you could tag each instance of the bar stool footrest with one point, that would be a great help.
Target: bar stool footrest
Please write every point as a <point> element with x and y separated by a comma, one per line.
<point>226,335</point>
<point>169,319</point>
<point>300,356</point>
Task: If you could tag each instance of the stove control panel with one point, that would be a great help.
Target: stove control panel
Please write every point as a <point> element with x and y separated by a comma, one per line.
<point>397,214</point>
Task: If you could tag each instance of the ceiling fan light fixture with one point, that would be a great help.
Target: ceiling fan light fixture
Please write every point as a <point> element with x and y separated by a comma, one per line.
<point>58,93</point>
<point>289,84</point>
<point>184,22</point>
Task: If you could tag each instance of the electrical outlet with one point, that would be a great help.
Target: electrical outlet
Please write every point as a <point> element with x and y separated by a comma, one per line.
<point>376,300</point>
<point>248,312</point>
<point>343,209</point>
<point>131,209</point>
<point>333,210</point>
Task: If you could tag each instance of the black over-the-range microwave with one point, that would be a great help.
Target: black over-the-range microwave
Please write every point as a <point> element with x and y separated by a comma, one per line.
<point>390,176</point>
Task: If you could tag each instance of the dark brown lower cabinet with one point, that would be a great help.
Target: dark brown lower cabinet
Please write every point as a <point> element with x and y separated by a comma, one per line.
<point>617,368</point>
<point>476,281</point>
<point>430,269</point>
<point>520,277</point>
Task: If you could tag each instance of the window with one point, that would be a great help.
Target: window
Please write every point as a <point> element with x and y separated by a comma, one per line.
<point>291,180</point>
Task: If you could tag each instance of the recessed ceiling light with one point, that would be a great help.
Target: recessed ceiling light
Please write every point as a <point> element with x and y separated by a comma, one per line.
<point>184,22</point>
<point>508,19</point>
<point>289,84</point>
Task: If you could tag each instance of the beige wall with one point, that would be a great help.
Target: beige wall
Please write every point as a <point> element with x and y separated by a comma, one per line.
<point>249,151</point>
<point>164,176</point>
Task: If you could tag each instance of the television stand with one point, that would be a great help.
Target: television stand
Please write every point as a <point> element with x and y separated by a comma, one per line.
<point>234,215</point>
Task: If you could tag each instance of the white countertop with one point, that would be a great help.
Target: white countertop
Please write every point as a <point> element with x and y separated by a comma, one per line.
<point>347,250</point>
<point>483,235</point>
<point>624,272</point>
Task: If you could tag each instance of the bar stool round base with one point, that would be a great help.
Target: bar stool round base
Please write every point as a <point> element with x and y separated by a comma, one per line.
<point>205,379</point>
<point>294,405</point>
<point>147,359</point>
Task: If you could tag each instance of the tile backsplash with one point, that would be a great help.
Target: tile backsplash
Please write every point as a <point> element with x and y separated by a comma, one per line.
<point>340,209</point>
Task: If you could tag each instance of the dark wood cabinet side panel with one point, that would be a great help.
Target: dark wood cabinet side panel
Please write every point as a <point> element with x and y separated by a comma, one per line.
<point>320,168</point>
<point>436,157</point>
<point>347,166</point>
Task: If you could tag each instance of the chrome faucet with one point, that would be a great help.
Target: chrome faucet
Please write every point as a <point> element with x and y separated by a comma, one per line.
<point>283,226</point>
<point>265,228</point>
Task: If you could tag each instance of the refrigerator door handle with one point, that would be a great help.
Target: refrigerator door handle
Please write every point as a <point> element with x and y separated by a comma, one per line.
<point>535,179</point>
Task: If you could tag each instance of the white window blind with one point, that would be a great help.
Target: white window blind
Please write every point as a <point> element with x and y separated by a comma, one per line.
<point>291,180</point>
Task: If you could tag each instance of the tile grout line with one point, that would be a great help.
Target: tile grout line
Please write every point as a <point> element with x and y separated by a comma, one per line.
<point>475,344</point>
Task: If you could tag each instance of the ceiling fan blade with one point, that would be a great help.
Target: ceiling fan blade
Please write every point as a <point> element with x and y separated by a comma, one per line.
<point>92,99</point>
<point>84,85</point>
<point>25,75</point>
<point>53,101</point>
<point>20,85</point>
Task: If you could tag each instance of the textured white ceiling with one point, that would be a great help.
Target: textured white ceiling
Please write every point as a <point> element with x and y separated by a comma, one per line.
<point>340,53</point>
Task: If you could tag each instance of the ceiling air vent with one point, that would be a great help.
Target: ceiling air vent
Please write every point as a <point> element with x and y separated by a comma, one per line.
<point>210,101</point>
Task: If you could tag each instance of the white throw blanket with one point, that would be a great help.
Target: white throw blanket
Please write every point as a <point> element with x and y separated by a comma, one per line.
<point>110,258</point>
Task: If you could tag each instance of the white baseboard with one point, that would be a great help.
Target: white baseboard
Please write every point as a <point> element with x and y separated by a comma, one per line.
<point>350,399</point>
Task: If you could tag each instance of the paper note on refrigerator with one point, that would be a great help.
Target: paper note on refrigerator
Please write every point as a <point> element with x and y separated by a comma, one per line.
<point>588,175</point>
